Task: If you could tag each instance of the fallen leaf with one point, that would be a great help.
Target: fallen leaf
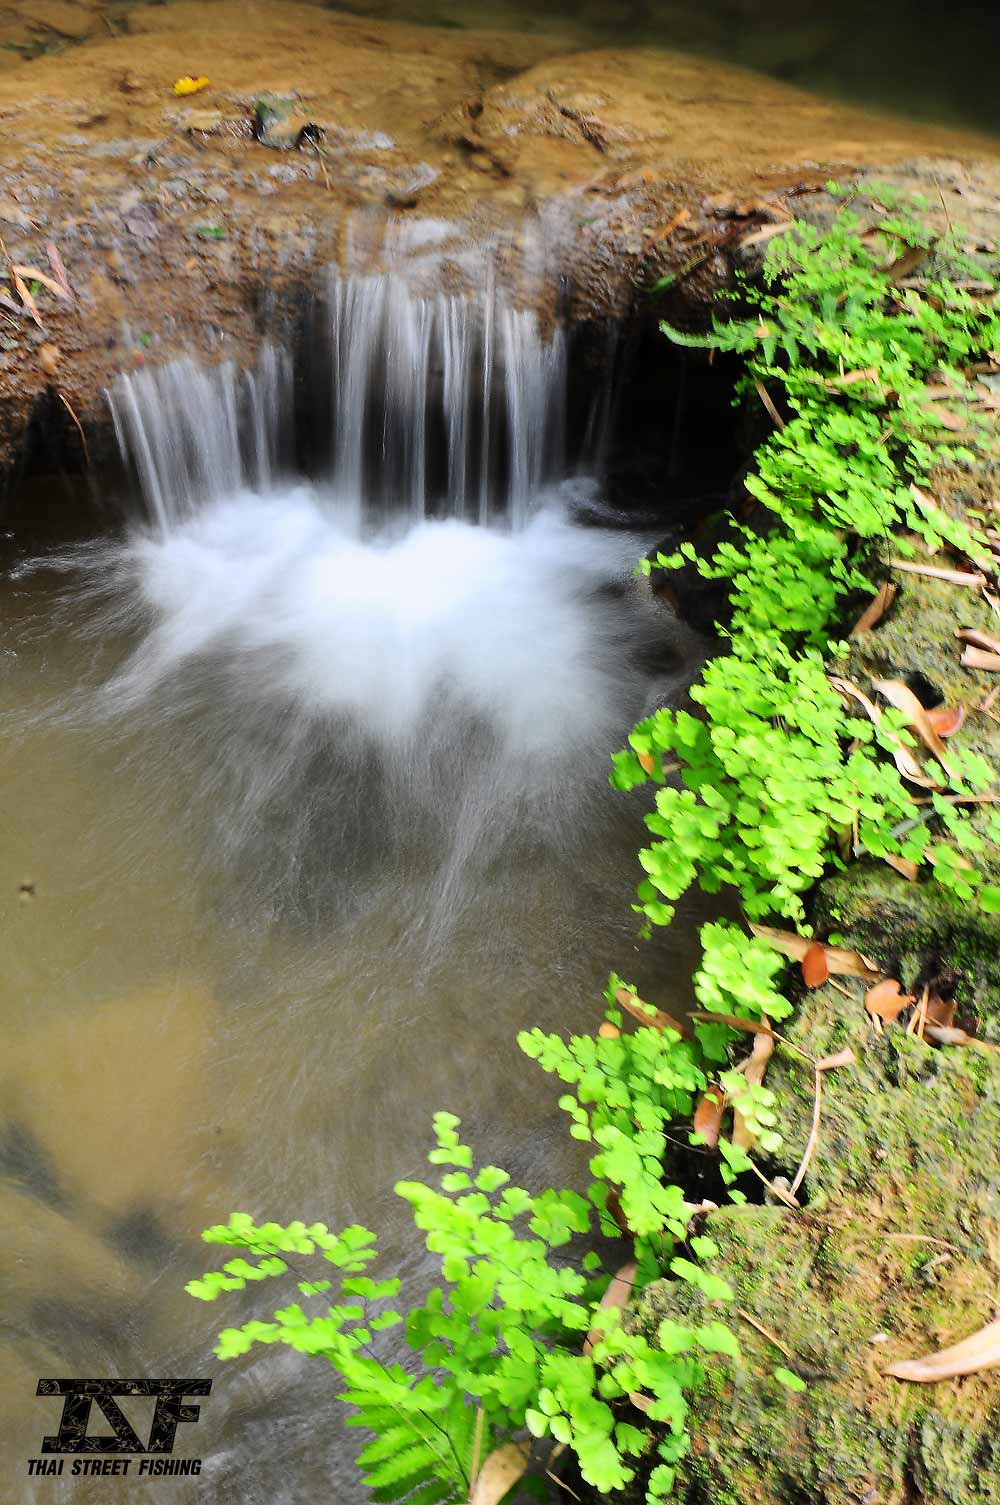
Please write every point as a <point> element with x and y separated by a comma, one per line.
<point>188,85</point>
<point>844,963</point>
<point>618,1293</point>
<point>49,357</point>
<point>901,756</point>
<point>500,1473</point>
<point>946,719</point>
<point>708,1115</point>
<point>954,422</point>
<point>940,1012</point>
<point>753,1069</point>
<point>902,697</point>
<point>735,1021</point>
<point>851,378</point>
<point>907,263</point>
<point>876,609</point>
<point>646,762</point>
<point>936,572</point>
<point>34,275</point>
<point>977,658</point>
<point>58,267</point>
<point>845,1057</point>
<point>815,967</point>
<point>978,639</point>
<point>981,1351</point>
<point>608,1031</point>
<point>886,1000</point>
<point>945,1034</point>
<point>680,218</point>
<point>758,237</point>
<point>902,865</point>
<point>26,297</point>
<point>645,1012</point>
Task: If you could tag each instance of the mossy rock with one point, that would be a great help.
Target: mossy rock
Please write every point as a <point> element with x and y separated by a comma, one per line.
<point>896,1253</point>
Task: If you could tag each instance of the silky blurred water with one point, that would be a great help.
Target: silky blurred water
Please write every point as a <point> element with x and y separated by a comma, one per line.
<point>305,814</point>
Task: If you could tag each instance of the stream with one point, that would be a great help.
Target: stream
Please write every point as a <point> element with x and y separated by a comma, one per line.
<point>305,815</point>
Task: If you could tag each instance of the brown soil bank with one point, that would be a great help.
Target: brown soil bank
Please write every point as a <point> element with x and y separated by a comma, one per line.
<point>172,219</point>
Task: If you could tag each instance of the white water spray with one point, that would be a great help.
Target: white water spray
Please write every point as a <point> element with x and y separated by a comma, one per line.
<point>430,608</point>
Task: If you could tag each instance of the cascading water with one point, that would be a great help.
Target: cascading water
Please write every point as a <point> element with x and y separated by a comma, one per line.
<point>309,779</point>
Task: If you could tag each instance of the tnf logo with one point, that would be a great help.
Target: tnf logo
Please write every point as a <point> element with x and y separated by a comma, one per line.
<point>79,1396</point>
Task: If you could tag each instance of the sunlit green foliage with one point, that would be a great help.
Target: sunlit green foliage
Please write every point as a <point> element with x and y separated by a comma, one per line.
<point>775,764</point>
<point>503,1332</point>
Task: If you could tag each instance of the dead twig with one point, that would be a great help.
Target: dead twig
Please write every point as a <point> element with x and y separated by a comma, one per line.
<point>83,438</point>
<point>813,1139</point>
<point>765,398</point>
<point>954,577</point>
<point>477,1448</point>
<point>765,1332</point>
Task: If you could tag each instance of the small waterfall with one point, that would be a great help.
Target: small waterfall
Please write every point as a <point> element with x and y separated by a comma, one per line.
<point>195,434</point>
<point>456,404</point>
<point>441,405</point>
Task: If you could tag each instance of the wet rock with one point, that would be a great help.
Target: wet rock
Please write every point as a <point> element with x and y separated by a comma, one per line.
<point>141,222</point>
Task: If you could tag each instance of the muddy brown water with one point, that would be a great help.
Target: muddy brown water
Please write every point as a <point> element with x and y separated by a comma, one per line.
<point>205,1011</point>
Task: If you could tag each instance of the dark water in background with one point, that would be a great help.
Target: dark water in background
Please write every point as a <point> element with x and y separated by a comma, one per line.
<point>923,59</point>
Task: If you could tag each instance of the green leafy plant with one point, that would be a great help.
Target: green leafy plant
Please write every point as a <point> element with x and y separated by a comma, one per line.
<point>776,764</point>
<point>517,1337</point>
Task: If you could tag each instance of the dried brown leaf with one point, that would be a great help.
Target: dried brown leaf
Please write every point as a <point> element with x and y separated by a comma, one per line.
<point>58,267</point>
<point>901,756</point>
<point>708,1115</point>
<point>937,572</point>
<point>876,609</point>
<point>946,719</point>
<point>886,1000</point>
<point>902,865</point>
<point>25,297</point>
<point>619,1290</point>
<point>815,967</point>
<point>735,1021</point>
<point>845,1057</point>
<point>978,639</point>
<point>753,1069</point>
<point>978,658</point>
<point>940,1011</point>
<point>608,1031</point>
<point>36,276</point>
<point>902,697</point>
<point>500,1473</point>
<point>840,961</point>
<point>981,1351</point>
<point>645,1012</point>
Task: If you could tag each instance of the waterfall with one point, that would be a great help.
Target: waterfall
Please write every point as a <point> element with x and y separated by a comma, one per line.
<point>441,405</point>
<point>427,603</point>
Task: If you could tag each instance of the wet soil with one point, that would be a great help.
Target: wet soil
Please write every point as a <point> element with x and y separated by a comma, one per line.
<point>594,173</point>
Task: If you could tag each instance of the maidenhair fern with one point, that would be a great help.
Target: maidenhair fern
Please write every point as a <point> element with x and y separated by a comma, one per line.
<point>775,764</point>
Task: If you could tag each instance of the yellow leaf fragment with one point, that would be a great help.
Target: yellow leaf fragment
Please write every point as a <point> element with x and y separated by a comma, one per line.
<point>188,85</point>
